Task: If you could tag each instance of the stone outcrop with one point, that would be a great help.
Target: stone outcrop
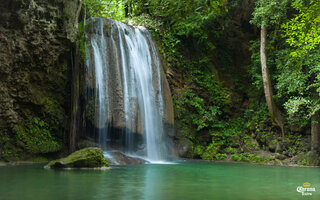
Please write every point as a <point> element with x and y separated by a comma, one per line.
<point>85,158</point>
<point>35,41</point>
<point>118,158</point>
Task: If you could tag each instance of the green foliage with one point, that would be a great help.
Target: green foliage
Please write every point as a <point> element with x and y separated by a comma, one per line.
<point>295,144</point>
<point>83,47</point>
<point>22,1</point>
<point>188,33</point>
<point>247,157</point>
<point>211,151</point>
<point>299,110</point>
<point>303,30</point>
<point>53,109</point>
<point>104,8</point>
<point>303,162</point>
<point>187,17</point>
<point>230,150</point>
<point>221,156</point>
<point>145,20</point>
<point>293,73</point>
<point>35,137</point>
<point>269,12</point>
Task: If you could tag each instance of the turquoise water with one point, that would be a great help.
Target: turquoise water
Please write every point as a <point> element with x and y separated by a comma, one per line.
<point>186,180</point>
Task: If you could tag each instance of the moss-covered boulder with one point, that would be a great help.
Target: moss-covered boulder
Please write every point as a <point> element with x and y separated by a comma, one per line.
<point>91,157</point>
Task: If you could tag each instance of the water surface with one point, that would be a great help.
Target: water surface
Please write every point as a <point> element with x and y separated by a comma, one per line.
<point>188,180</point>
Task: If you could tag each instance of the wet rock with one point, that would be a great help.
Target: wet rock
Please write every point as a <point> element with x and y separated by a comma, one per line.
<point>280,156</point>
<point>277,162</point>
<point>118,158</point>
<point>87,143</point>
<point>286,153</point>
<point>184,148</point>
<point>34,55</point>
<point>286,161</point>
<point>273,144</point>
<point>265,154</point>
<point>254,142</point>
<point>278,148</point>
<point>85,158</point>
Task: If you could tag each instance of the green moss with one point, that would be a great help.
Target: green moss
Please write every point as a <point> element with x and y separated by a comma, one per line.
<point>35,137</point>
<point>221,156</point>
<point>40,159</point>
<point>83,47</point>
<point>90,109</point>
<point>64,68</point>
<point>106,26</point>
<point>91,157</point>
<point>10,152</point>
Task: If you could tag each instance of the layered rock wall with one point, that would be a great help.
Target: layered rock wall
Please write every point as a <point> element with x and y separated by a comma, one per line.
<point>35,41</point>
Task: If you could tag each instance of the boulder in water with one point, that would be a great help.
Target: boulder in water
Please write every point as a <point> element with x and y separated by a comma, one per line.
<point>118,158</point>
<point>91,157</point>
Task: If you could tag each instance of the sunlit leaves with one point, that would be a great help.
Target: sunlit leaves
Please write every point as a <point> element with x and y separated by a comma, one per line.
<point>104,8</point>
<point>303,31</point>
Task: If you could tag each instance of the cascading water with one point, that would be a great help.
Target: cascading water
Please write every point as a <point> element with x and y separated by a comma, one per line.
<point>125,89</point>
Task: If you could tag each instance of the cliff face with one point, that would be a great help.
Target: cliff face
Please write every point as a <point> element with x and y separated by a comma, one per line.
<point>35,41</point>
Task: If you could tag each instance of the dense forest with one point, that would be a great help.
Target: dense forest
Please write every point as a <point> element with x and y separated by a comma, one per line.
<point>244,75</point>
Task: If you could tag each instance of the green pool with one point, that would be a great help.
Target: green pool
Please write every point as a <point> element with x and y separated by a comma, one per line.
<point>184,180</point>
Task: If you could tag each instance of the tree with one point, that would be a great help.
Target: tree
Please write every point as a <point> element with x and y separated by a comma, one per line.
<point>303,33</point>
<point>269,13</point>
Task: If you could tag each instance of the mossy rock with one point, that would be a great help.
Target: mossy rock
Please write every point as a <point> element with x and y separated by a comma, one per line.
<point>309,159</point>
<point>312,158</point>
<point>91,157</point>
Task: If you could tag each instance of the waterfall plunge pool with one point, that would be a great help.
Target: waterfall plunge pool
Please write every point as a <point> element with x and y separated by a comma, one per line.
<point>185,180</point>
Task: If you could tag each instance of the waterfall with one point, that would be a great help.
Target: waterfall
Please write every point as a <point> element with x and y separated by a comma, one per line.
<point>125,102</point>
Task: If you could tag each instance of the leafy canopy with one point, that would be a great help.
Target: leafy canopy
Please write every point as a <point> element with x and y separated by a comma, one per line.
<point>269,12</point>
<point>303,31</point>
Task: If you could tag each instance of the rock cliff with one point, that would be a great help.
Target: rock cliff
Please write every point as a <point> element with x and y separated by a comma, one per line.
<point>35,41</point>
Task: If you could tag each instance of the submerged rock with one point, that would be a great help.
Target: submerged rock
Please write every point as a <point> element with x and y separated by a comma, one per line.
<point>91,157</point>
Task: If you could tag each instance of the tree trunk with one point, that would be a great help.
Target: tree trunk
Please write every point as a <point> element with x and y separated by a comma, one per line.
<point>75,113</point>
<point>128,9</point>
<point>315,129</point>
<point>273,110</point>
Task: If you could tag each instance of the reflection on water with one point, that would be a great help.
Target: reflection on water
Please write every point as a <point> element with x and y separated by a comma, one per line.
<point>158,182</point>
